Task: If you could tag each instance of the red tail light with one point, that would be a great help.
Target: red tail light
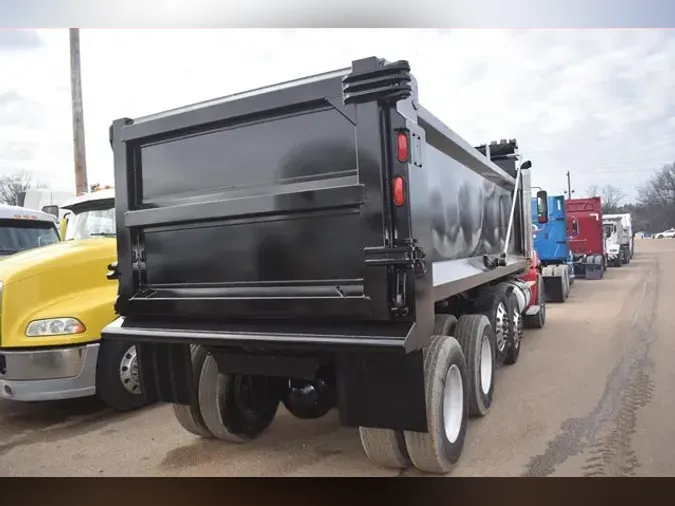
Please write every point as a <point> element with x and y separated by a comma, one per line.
<point>399,191</point>
<point>402,147</point>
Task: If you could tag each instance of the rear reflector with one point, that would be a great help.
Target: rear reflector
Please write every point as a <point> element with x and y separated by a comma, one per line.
<point>402,147</point>
<point>399,191</point>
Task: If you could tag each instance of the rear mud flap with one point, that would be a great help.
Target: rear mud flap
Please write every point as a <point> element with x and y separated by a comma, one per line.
<point>594,271</point>
<point>166,372</point>
<point>554,289</point>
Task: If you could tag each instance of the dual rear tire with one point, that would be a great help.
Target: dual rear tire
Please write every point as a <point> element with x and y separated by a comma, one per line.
<point>459,383</point>
<point>231,407</point>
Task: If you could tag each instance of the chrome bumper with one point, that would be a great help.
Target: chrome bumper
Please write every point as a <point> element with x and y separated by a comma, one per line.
<point>48,374</point>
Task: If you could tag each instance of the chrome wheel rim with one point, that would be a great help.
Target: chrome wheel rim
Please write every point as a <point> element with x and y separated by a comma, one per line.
<point>501,330</point>
<point>129,374</point>
<point>453,403</point>
<point>517,328</point>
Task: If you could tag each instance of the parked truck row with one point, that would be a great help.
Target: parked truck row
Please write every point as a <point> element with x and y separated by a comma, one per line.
<point>326,243</point>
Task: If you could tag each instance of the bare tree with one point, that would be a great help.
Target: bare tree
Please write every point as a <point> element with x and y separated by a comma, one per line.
<point>656,199</point>
<point>13,185</point>
<point>611,198</point>
<point>593,190</point>
<point>610,195</point>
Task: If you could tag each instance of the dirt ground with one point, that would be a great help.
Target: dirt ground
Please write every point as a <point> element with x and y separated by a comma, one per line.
<point>592,395</point>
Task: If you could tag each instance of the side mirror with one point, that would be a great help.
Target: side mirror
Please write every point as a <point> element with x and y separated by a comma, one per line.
<point>575,227</point>
<point>542,206</point>
<point>53,210</point>
<point>526,165</point>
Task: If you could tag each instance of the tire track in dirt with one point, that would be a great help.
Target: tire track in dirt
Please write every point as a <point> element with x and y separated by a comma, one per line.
<point>628,388</point>
<point>613,455</point>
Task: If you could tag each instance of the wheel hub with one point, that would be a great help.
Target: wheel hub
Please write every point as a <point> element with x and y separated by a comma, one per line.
<point>453,403</point>
<point>518,328</point>
<point>251,395</point>
<point>485,365</point>
<point>501,330</point>
<point>129,374</point>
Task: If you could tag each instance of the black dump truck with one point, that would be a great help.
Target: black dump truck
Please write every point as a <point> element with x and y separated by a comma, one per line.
<point>322,243</point>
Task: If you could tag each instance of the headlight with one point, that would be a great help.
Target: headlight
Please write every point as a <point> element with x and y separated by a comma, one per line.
<point>54,327</point>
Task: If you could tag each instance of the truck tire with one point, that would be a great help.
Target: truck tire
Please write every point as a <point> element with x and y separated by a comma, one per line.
<point>190,416</point>
<point>477,339</point>
<point>513,352</point>
<point>385,447</point>
<point>561,272</point>
<point>228,415</point>
<point>538,320</point>
<point>444,324</point>
<point>492,303</point>
<point>447,400</point>
<point>117,379</point>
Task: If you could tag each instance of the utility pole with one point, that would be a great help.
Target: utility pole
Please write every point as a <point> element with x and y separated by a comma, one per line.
<point>81,185</point>
<point>569,185</point>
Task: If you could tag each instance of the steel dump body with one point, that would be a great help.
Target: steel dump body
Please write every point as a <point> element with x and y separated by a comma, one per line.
<point>588,237</point>
<point>267,221</point>
<point>260,209</point>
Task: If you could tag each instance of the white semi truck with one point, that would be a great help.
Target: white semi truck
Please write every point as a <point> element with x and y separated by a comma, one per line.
<point>627,242</point>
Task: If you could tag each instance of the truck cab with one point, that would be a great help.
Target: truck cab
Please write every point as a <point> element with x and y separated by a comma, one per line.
<point>624,237</point>
<point>615,236</point>
<point>24,229</point>
<point>54,302</point>
<point>586,237</point>
<point>551,244</point>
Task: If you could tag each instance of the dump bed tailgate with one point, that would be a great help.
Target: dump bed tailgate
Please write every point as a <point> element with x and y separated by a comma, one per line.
<point>256,207</point>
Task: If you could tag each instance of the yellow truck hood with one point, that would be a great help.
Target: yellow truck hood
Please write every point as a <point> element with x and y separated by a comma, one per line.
<point>62,280</point>
<point>62,255</point>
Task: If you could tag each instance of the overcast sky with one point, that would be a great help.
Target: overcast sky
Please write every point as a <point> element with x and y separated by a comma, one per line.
<point>599,103</point>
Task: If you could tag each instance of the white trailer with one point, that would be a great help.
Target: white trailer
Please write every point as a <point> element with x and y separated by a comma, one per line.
<point>628,244</point>
<point>48,201</point>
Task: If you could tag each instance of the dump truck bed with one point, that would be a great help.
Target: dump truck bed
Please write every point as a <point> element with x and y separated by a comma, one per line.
<point>260,213</point>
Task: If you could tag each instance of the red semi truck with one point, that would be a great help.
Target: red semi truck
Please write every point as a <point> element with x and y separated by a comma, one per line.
<point>586,237</point>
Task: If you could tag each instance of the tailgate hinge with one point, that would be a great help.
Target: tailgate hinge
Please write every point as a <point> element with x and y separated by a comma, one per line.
<point>408,256</point>
<point>399,261</point>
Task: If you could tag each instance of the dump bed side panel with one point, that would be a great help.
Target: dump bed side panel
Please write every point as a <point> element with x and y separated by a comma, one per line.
<point>467,207</point>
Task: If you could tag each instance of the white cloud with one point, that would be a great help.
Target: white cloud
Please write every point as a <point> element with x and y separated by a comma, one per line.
<point>598,103</point>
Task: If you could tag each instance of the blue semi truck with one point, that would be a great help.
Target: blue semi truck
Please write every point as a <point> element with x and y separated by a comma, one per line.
<point>551,244</point>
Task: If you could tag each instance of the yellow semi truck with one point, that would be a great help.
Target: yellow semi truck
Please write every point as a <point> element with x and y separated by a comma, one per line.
<point>54,301</point>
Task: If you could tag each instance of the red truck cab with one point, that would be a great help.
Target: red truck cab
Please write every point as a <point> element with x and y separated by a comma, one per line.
<point>586,237</point>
